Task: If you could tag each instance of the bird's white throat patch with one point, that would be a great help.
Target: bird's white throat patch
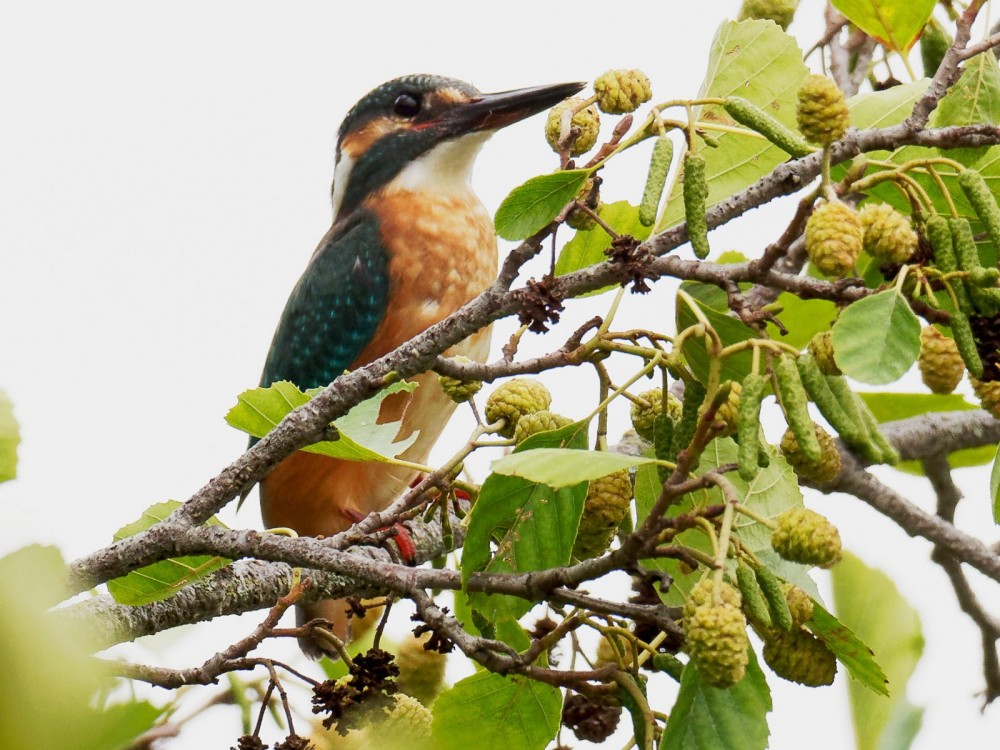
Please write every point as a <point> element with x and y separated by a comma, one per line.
<point>446,169</point>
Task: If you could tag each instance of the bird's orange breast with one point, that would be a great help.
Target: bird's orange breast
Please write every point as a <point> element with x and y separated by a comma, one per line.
<point>442,253</point>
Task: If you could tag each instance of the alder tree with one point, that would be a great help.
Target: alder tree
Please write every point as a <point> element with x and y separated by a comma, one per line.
<point>887,264</point>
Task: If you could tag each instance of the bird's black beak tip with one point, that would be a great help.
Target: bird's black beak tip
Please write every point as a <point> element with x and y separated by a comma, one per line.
<point>495,111</point>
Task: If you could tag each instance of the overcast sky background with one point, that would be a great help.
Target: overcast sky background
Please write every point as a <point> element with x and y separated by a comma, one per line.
<point>164,178</point>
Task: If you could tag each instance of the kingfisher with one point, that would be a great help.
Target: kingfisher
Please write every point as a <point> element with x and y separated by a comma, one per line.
<point>410,244</point>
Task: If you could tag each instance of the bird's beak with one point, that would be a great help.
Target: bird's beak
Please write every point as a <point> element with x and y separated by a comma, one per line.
<point>495,111</point>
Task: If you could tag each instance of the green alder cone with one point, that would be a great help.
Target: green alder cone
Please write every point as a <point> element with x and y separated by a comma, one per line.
<point>587,120</point>
<point>834,237</point>
<point>799,656</point>
<point>716,638</point>
<point>644,415</point>
<point>941,366</point>
<point>780,11</point>
<point>515,398</point>
<point>622,91</point>
<point>822,112</point>
<point>701,595</point>
<point>539,421</point>
<point>804,536</point>
<point>825,469</point>
<point>608,500</point>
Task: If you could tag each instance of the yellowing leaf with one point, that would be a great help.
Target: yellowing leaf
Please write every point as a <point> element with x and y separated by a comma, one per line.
<point>9,439</point>
<point>895,23</point>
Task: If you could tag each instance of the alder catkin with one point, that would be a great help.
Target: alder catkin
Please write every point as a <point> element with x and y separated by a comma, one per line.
<point>795,404</point>
<point>656,179</point>
<point>695,198</point>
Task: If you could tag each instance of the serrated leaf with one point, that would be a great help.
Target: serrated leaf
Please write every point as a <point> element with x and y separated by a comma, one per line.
<point>587,246</point>
<point>714,305</point>
<point>10,436</point>
<point>877,339</point>
<point>533,525</point>
<point>491,712</point>
<point>850,650</point>
<point>995,486</point>
<point>708,718</point>
<point>165,578</point>
<point>888,407</point>
<point>757,61</point>
<point>564,467</point>
<point>362,438</point>
<point>895,23</point>
<point>531,206</point>
<point>868,601</point>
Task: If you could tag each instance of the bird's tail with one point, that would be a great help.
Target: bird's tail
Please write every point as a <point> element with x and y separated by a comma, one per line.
<point>335,612</point>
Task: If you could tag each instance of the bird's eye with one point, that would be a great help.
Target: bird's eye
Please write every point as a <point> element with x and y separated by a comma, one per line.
<point>406,105</point>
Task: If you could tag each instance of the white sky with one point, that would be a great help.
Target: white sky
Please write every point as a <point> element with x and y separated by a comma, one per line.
<point>164,177</point>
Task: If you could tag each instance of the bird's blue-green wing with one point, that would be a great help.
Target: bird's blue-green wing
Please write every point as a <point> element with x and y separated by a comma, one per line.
<point>335,308</point>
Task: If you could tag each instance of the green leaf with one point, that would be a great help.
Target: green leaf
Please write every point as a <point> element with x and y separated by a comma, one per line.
<point>757,61</point>
<point>895,23</point>
<point>973,100</point>
<point>868,601</point>
<point>117,726</point>
<point>902,727</point>
<point>533,525</point>
<point>880,109</point>
<point>714,305</point>
<point>802,318</point>
<point>52,680</point>
<point>564,467</point>
<point>165,578</point>
<point>708,718</point>
<point>491,712</point>
<point>531,206</point>
<point>774,490</point>
<point>888,407</point>
<point>362,438</point>
<point>877,339</point>
<point>850,650</point>
<point>995,486</point>
<point>587,246</point>
<point>10,436</point>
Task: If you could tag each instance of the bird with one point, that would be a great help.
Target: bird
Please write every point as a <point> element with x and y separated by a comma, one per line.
<point>410,243</point>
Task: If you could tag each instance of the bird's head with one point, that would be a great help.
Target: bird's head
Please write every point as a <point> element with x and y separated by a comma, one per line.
<point>422,129</point>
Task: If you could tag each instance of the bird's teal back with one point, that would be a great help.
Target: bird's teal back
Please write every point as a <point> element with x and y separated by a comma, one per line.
<point>335,308</point>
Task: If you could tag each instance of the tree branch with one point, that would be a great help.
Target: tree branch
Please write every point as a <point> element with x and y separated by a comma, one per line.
<point>939,473</point>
